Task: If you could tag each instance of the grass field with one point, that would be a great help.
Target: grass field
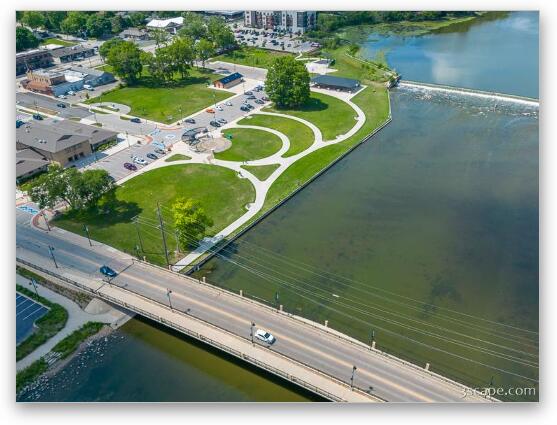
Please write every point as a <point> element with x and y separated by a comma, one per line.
<point>220,192</point>
<point>300,135</point>
<point>249,144</point>
<point>331,115</point>
<point>262,172</point>
<point>169,102</point>
<point>251,56</point>
<point>57,41</point>
<point>375,106</point>
<point>177,157</point>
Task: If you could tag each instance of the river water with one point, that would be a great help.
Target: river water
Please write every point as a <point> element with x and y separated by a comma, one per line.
<point>430,227</point>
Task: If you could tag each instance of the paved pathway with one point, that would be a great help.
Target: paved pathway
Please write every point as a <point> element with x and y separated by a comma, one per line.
<point>76,318</point>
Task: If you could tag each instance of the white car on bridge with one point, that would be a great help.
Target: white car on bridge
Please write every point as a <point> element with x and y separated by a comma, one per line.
<point>265,336</point>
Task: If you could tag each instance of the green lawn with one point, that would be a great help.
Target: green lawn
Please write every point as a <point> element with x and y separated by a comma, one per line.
<point>262,172</point>
<point>300,135</point>
<point>221,193</point>
<point>331,115</point>
<point>249,144</point>
<point>376,107</point>
<point>177,157</point>
<point>56,41</point>
<point>251,56</point>
<point>148,99</point>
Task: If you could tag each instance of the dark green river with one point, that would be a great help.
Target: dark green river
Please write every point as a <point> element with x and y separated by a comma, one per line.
<point>425,237</point>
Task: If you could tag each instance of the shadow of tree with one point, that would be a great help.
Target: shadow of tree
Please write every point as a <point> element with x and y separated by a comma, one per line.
<point>312,105</point>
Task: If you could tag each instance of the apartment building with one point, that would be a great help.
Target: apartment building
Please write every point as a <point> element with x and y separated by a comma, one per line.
<point>286,20</point>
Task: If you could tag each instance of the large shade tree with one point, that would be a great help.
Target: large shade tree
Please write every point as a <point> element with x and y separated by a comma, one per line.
<point>287,83</point>
<point>125,59</point>
<point>190,222</point>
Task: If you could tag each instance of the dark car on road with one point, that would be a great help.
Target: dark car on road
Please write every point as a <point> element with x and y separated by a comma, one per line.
<point>248,93</point>
<point>244,108</point>
<point>152,156</point>
<point>38,117</point>
<point>129,166</point>
<point>136,120</point>
<point>190,121</point>
<point>61,105</point>
<point>160,151</point>
<point>107,271</point>
<point>214,124</point>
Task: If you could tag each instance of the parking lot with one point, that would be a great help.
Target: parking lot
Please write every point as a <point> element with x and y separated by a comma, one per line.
<point>271,40</point>
<point>27,311</point>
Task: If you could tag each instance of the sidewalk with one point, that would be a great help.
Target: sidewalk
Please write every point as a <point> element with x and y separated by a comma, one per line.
<point>76,318</point>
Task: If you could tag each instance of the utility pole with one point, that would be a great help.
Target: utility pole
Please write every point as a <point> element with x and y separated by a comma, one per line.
<point>45,220</point>
<point>51,250</point>
<point>162,233</point>
<point>86,229</point>
<point>251,332</point>
<point>372,338</point>
<point>138,235</point>
<point>168,292</point>
<point>352,378</point>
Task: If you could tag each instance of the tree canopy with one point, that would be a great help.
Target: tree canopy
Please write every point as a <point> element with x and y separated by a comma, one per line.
<point>287,82</point>
<point>33,19</point>
<point>74,23</point>
<point>190,222</point>
<point>24,39</point>
<point>125,59</point>
<point>80,190</point>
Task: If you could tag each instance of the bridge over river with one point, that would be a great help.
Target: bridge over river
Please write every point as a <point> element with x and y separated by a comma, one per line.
<point>308,354</point>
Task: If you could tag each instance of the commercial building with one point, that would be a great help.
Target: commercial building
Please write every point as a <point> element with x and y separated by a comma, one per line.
<point>95,135</point>
<point>171,25</point>
<point>228,81</point>
<point>71,53</point>
<point>91,76</point>
<point>285,20</point>
<point>335,83</point>
<point>56,83</point>
<point>32,59</point>
<point>52,142</point>
<point>134,34</point>
<point>29,163</point>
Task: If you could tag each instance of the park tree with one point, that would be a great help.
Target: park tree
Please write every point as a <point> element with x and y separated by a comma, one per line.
<point>80,190</point>
<point>161,64</point>
<point>107,45</point>
<point>53,19</point>
<point>160,36</point>
<point>194,26</point>
<point>125,59</point>
<point>119,24</point>
<point>219,33</point>
<point>190,222</point>
<point>33,19</point>
<point>204,49</point>
<point>137,18</point>
<point>182,53</point>
<point>24,39</point>
<point>74,23</point>
<point>287,82</point>
<point>97,25</point>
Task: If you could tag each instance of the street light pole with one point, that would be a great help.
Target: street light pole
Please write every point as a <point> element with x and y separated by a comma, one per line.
<point>251,332</point>
<point>168,292</point>
<point>45,220</point>
<point>34,283</point>
<point>372,338</point>
<point>51,250</point>
<point>352,378</point>
<point>86,229</point>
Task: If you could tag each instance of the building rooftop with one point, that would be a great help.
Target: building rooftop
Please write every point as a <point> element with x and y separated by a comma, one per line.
<point>229,78</point>
<point>27,160</point>
<point>88,71</point>
<point>163,23</point>
<point>133,31</point>
<point>47,137</point>
<point>72,50</point>
<point>93,133</point>
<point>329,80</point>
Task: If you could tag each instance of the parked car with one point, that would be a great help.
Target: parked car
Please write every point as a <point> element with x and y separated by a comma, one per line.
<point>136,120</point>
<point>222,121</point>
<point>71,92</point>
<point>88,87</point>
<point>139,160</point>
<point>265,99</point>
<point>62,96</point>
<point>107,271</point>
<point>129,166</point>
<point>265,336</point>
<point>38,117</point>
<point>210,110</point>
<point>160,151</point>
<point>248,93</point>
<point>152,156</point>
<point>219,108</point>
<point>18,123</point>
<point>190,121</point>
<point>259,101</point>
<point>244,108</point>
<point>214,123</point>
<point>61,105</point>
<point>251,97</point>
<point>228,103</point>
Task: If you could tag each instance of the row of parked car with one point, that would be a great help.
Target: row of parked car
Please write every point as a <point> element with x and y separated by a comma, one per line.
<point>138,160</point>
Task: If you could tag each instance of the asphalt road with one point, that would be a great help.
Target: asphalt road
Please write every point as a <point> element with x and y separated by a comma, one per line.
<point>382,376</point>
<point>33,100</point>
